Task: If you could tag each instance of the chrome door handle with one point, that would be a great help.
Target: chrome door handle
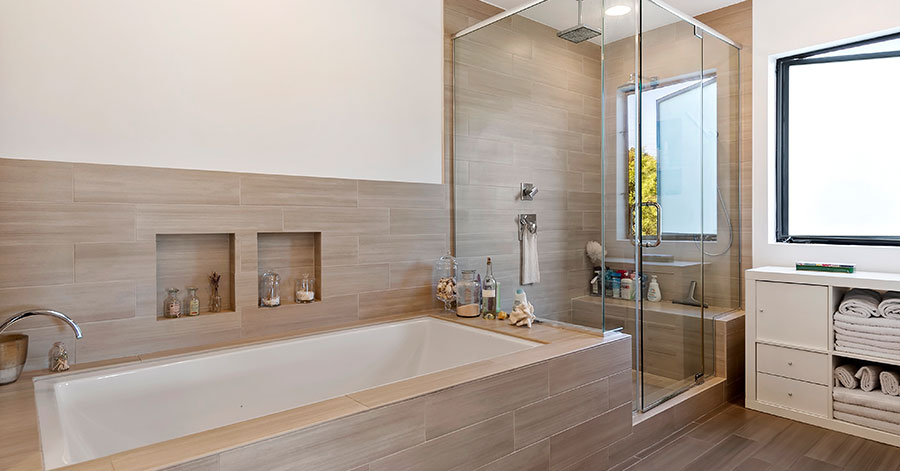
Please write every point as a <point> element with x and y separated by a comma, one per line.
<point>658,224</point>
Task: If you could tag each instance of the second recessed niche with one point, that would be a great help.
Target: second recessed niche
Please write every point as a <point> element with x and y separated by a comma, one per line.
<point>292,255</point>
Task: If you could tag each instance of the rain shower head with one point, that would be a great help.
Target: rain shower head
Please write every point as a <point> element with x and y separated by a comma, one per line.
<point>580,32</point>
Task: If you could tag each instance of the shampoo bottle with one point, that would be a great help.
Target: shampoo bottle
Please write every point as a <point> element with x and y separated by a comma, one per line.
<point>653,293</point>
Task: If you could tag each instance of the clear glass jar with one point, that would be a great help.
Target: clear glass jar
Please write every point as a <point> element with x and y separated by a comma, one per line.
<point>269,289</point>
<point>468,300</point>
<point>443,280</point>
<point>171,305</point>
<point>305,289</point>
<point>192,302</point>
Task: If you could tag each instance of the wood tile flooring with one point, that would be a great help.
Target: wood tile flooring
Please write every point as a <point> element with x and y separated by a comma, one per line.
<point>733,438</point>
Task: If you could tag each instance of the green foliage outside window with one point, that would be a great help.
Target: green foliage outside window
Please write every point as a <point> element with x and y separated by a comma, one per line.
<point>648,190</point>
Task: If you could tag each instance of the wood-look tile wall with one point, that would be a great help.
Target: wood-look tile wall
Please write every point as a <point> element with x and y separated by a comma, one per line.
<point>526,109</point>
<point>82,239</point>
<point>560,414</point>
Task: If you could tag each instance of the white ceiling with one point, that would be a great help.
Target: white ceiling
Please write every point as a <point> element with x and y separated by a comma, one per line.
<point>562,14</point>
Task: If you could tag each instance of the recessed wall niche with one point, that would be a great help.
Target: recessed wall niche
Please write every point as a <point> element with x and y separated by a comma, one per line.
<point>291,255</point>
<point>184,260</point>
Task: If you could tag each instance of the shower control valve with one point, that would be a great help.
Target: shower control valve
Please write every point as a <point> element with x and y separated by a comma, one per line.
<point>528,191</point>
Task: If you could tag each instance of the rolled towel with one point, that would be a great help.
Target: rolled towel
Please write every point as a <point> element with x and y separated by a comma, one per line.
<point>843,376</point>
<point>889,307</point>
<point>860,302</point>
<point>890,383</point>
<point>868,377</point>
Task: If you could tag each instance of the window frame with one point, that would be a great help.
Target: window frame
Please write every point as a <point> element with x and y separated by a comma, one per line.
<point>782,134</point>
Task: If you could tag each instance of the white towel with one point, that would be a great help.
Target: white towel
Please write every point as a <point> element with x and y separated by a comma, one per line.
<point>868,412</point>
<point>860,303</point>
<point>878,322</point>
<point>892,344</point>
<point>878,337</point>
<point>890,383</point>
<point>867,422</point>
<point>868,378</point>
<point>531,271</point>
<point>843,376</point>
<point>868,352</point>
<point>873,400</point>
<point>890,305</point>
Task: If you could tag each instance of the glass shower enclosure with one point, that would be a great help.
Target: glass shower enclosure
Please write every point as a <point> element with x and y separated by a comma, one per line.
<point>625,115</point>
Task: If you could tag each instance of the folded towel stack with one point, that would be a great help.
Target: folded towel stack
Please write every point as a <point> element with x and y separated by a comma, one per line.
<point>872,336</point>
<point>860,303</point>
<point>869,409</point>
<point>890,305</point>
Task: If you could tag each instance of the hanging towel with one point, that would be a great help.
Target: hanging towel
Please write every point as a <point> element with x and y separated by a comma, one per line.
<point>860,303</point>
<point>890,383</point>
<point>843,376</point>
<point>868,377</point>
<point>531,272</point>
<point>890,305</point>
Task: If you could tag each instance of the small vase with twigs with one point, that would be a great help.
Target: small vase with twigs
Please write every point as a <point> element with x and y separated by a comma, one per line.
<point>215,301</point>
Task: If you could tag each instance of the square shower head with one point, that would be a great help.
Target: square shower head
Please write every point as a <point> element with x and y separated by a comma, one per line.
<point>577,34</point>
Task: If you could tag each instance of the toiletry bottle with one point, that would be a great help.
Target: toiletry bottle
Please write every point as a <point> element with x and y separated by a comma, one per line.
<point>617,285</point>
<point>520,298</point>
<point>627,287</point>
<point>192,302</point>
<point>653,292</point>
<point>490,293</point>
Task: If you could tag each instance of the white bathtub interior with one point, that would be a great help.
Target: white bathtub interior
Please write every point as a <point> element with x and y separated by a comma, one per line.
<point>98,413</point>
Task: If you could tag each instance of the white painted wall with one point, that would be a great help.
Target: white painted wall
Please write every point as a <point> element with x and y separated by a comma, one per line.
<point>782,28</point>
<point>349,88</point>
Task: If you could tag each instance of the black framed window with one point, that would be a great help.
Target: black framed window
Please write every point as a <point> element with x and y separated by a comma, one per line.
<point>837,161</point>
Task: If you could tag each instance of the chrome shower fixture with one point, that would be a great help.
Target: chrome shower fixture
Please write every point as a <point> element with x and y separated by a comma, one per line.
<point>580,32</point>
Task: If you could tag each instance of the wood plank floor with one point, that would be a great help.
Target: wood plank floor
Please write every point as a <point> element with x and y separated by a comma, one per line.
<point>739,439</point>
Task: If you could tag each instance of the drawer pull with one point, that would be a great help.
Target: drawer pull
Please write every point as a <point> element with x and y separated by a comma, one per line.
<point>790,394</point>
<point>790,363</point>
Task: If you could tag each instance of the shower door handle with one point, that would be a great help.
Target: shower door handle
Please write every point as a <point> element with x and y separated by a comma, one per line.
<point>658,224</point>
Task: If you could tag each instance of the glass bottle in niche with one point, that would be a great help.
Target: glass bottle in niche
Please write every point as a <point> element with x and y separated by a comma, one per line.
<point>269,289</point>
<point>468,301</point>
<point>305,289</point>
<point>490,293</point>
<point>192,302</point>
<point>172,305</point>
<point>443,279</point>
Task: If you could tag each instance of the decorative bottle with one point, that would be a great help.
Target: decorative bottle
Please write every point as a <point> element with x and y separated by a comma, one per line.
<point>172,306</point>
<point>269,289</point>
<point>468,304</point>
<point>192,302</point>
<point>490,293</point>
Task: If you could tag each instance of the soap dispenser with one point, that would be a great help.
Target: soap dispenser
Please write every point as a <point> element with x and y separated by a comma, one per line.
<point>653,292</point>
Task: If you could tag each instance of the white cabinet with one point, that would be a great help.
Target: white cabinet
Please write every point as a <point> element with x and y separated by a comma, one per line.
<point>792,314</point>
<point>789,358</point>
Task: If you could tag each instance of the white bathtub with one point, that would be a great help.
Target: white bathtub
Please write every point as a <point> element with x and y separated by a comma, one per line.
<point>93,414</point>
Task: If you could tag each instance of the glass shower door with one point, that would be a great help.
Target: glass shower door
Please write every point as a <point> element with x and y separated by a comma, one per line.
<point>669,201</point>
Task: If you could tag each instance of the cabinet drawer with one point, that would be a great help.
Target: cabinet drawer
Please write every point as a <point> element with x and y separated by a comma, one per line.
<point>792,314</point>
<point>793,363</point>
<point>792,394</point>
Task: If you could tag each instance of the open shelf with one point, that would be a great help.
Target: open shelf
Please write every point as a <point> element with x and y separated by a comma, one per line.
<point>184,260</point>
<point>291,255</point>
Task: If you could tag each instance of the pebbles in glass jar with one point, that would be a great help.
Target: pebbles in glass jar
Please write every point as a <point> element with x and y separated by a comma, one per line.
<point>269,289</point>
<point>305,290</point>
<point>171,305</point>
